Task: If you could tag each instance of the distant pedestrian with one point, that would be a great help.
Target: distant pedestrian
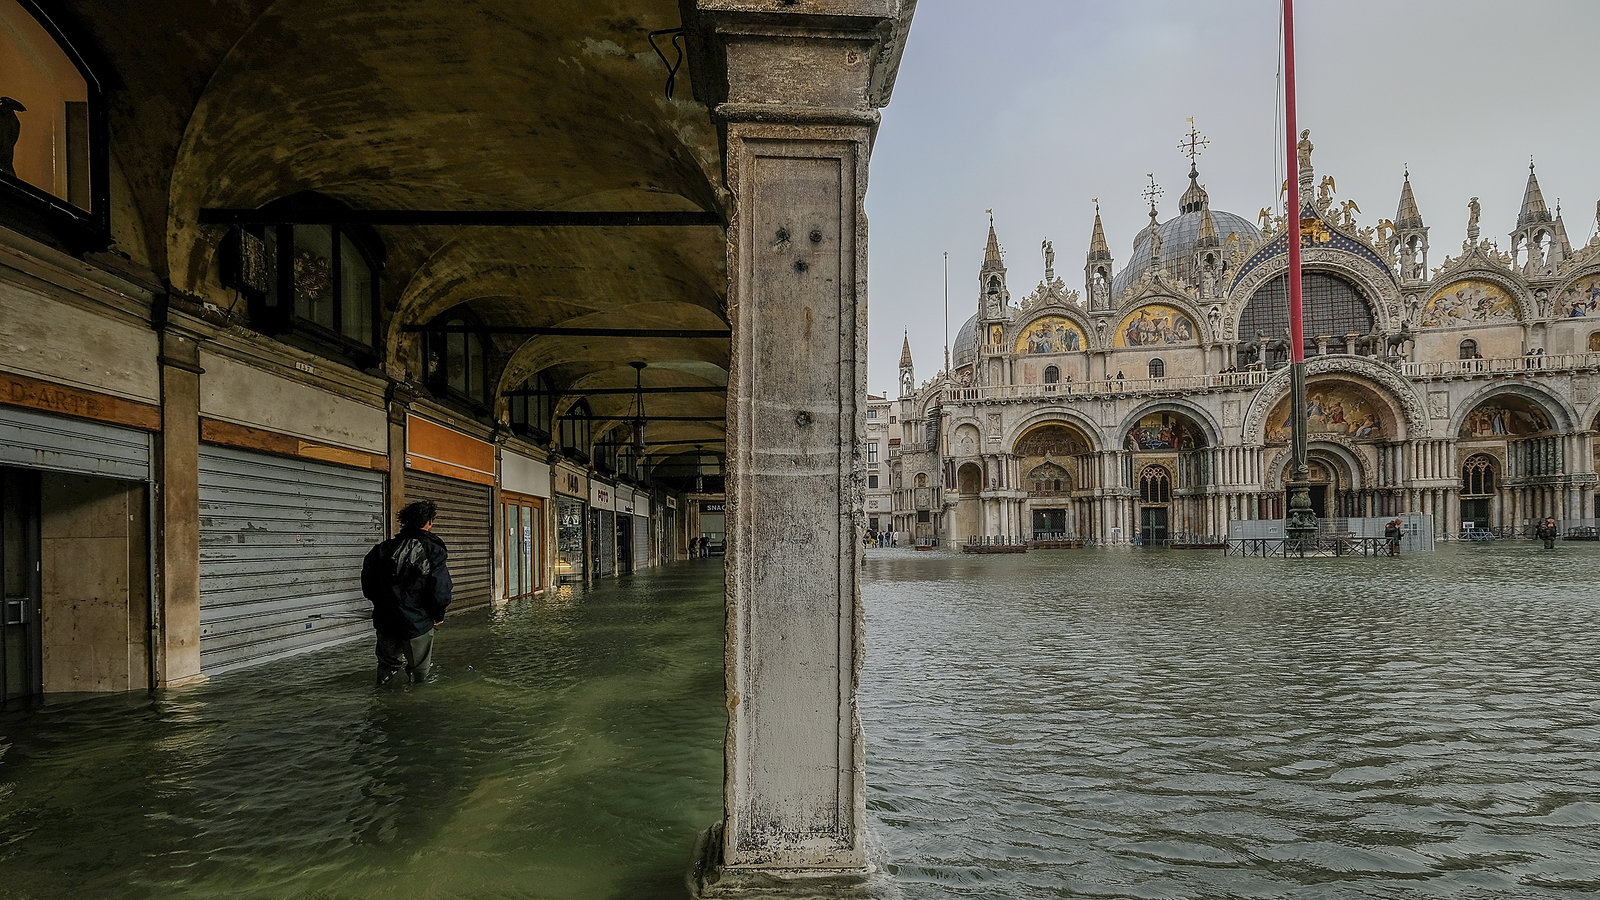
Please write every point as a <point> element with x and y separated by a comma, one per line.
<point>1392,533</point>
<point>408,583</point>
<point>1547,533</point>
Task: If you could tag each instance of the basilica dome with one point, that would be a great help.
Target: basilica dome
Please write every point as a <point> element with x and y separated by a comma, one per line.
<point>966,347</point>
<point>1180,237</point>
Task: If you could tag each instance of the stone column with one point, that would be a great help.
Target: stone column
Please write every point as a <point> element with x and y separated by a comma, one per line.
<point>797,94</point>
<point>177,627</point>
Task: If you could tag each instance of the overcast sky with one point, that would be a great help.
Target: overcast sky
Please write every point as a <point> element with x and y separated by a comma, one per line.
<point>1033,107</point>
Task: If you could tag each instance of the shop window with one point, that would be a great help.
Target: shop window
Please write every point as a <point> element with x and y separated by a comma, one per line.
<point>575,427</point>
<point>1158,369</point>
<point>532,407</point>
<point>52,131</point>
<point>312,285</point>
<point>456,347</point>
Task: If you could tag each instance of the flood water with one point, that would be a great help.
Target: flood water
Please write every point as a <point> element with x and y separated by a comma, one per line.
<point>1105,723</point>
<point>1177,724</point>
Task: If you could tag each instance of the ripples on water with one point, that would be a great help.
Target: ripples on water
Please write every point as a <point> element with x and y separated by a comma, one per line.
<point>1177,724</point>
<point>1061,724</point>
<point>577,757</point>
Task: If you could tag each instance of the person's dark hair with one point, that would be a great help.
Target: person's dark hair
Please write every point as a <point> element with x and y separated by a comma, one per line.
<point>417,514</point>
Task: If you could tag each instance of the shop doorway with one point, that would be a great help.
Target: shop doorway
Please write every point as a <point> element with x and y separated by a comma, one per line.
<point>20,650</point>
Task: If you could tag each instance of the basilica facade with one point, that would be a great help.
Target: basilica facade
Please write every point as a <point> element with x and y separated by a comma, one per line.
<point>1154,404</point>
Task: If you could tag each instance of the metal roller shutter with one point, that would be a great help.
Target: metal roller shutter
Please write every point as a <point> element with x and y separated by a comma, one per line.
<point>641,542</point>
<point>39,441</point>
<point>281,544</point>
<point>466,525</point>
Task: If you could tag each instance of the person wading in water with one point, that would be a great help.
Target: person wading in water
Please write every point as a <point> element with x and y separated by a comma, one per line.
<point>408,583</point>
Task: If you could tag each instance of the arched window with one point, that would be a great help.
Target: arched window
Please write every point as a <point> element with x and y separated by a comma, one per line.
<point>1333,307</point>
<point>1594,342</point>
<point>575,427</point>
<point>1469,349</point>
<point>922,480</point>
<point>1051,374</point>
<point>1155,485</point>
<point>1477,477</point>
<point>315,283</point>
<point>457,353</point>
<point>1158,369</point>
<point>1048,479</point>
<point>532,405</point>
<point>52,127</point>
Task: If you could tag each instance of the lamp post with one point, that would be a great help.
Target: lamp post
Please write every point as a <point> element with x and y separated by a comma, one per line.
<point>1301,523</point>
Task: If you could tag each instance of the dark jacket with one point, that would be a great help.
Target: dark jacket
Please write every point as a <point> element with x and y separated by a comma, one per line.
<point>408,583</point>
<point>1546,531</point>
<point>1392,532</point>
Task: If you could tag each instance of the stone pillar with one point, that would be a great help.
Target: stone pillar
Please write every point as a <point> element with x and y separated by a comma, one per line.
<point>797,93</point>
<point>176,637</point>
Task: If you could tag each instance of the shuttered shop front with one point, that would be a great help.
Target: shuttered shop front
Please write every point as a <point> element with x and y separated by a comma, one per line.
<point>466,526</point>
<point>281,545</point>
<point>456,471</point>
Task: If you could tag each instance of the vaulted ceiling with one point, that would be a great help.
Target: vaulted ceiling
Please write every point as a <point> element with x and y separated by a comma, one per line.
<point>461,105</point>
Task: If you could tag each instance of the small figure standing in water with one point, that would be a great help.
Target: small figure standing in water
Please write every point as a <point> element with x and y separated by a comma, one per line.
<point>1547,533</point>
<point>408,583</point>
<point>1391,536</point>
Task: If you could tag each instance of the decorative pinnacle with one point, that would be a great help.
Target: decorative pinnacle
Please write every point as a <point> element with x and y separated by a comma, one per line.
<point>1152,192</point>
<point>1194,144</point>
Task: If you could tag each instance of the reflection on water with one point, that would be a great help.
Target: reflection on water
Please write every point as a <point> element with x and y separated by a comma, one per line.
<point>1060,724</point>
<point>571,749</point>
<point>1177,724</point>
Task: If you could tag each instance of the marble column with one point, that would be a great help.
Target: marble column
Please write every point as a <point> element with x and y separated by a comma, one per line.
<point>797,93</point>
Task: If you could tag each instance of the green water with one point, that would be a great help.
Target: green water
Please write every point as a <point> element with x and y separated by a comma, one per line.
<point>1101,723</point>
<point>571,749</point>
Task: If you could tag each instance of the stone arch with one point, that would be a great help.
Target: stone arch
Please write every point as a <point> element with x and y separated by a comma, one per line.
<point>1196,325</point>
<point>1210,432</point>
<point>1563,417</point>
<point>1410,412</point>
<point>1373,280</point>
<point>1583,288</point>
<point>1525,307</point>
<point>966,439</point>
<point>1055,415</point>
<point>1020,334</point>
<point>969,479</point>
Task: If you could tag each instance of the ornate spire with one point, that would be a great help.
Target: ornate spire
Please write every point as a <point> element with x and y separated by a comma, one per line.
<point>1533,208</point>
<point>1098,249</point>
<point>905,352</point>
<point>1208,228</point>
<point>991,253</point>
<point>1560,233</point>
<point>1407,215</point>
<point>1193,199</point>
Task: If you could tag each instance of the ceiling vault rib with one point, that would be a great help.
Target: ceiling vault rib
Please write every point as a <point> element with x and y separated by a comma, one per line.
<point>592,392</point>
<point>490,218</point>
<point>559,331</point>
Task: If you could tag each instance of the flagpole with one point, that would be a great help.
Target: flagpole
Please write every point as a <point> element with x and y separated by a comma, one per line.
<point>1301,523</point>
<point>947,371</point>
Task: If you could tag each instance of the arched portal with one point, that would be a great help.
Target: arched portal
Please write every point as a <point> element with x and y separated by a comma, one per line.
<point>1050,460</point>
<point>1512,456</point>
<point>968,519</point>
